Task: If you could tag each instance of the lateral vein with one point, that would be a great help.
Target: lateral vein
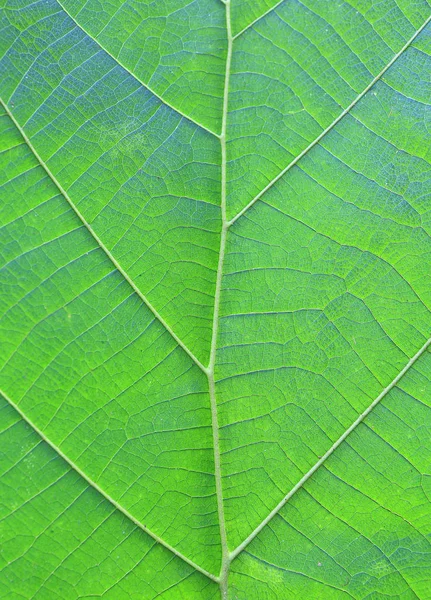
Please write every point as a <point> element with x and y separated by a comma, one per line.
<point>332,125</point>
<point>136,78</point>
<point>263,15</point>
<point>329,452</point>
<point>100,243</point>
<point>94,485</point>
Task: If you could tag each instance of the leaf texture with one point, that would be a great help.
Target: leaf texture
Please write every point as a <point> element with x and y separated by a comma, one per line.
<point>216,304</point>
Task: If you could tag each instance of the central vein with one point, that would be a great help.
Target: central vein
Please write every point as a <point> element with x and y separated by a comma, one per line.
<point>211,366</point>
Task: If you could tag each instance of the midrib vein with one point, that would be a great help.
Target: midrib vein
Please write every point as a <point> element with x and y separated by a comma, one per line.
<point>331,126</point>
<point>113,260</point>
<point>329,452</point>
<point>213,350</point>
<point>94,485</point>
<point>135,77</point>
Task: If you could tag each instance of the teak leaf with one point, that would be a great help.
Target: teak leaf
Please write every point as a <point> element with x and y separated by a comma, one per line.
<point>215,299</point>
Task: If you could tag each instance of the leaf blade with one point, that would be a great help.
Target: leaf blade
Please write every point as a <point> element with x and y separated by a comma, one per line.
<point>370,531</point>
<point>94,307</point>
<point>305,305</point>
<point>38,527</point>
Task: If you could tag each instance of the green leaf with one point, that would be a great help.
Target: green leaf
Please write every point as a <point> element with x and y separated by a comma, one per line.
<point>215,223</point>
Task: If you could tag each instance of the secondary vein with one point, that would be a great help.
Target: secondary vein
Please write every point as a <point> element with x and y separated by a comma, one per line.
<point>99,241</point>
<point>250,25</point>
<point>94,485</point>
<point>329,452</point>
<point>136,78</point>
<point>331,126</point>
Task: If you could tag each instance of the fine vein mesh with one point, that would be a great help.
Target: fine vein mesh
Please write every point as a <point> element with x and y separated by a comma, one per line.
<point>176,48</point>
<point>145,178</point>
<point>44,553</point>
<point>323,296</point>
<point>91,366</point>
<point>293,74</point>
<point>360,526</point>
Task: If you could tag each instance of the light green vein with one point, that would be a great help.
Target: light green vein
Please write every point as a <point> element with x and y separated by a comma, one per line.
<point>136,78</point>
<point>262,16</point>
<point>329,452</point>
<point>94,485</point>
<point>100,243</point>
<point>213,350</point>
<point>331,126</point>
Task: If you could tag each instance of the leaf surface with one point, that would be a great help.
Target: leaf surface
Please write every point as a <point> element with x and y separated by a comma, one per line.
<point>215,308</point>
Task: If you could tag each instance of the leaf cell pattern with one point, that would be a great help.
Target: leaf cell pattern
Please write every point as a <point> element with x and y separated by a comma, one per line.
<point>215,311</point>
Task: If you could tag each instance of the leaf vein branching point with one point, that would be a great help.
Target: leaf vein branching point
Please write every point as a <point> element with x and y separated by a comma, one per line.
<point>262,16</point>
<point>101,244</point>
<point>329,452</point>
<point>331,126</point>
<point>94,485</point>
<point>227,556</point>
<point>136,78</point>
